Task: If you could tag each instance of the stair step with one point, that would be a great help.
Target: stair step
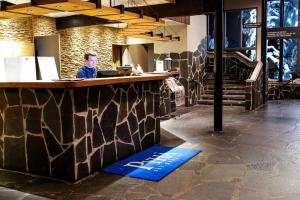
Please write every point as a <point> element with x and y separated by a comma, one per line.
<point>228,92</point>
<point>228,87</point>
<point>225,76</point>
<point>225,97</point>
<point>225,102</point>
<point>212,81</point>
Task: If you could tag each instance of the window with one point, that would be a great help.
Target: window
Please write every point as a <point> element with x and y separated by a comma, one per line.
<point>291,13</point>
<point>282,54</point>
<point>249,34</point>
<point>210,39</point>
<point>273,14</point>
<point>233,29</point>
<point>238,32</point>
<point>273,57</point>
<point>289,58</point>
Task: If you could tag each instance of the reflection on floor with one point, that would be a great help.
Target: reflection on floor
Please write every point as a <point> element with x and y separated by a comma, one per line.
<point>256,157</point>
<point>9,194</point>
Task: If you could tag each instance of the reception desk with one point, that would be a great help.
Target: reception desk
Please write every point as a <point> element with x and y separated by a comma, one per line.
<point>70,129</point>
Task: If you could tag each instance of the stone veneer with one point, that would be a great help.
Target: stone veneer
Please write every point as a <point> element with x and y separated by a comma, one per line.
<point>167,100</point>
<point>17,30</point>
<point>72,133</point>
<point>192,70</point>
<point>44,26</point>
<point>77,41</point>
<point>24,29</point>
<point>278,91</point>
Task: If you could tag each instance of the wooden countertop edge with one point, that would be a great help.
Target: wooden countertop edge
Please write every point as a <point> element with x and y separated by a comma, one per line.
<point>84,83</point>
<point>171,73</point>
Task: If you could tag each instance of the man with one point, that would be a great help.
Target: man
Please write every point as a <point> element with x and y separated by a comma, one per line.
<point>89,70</point>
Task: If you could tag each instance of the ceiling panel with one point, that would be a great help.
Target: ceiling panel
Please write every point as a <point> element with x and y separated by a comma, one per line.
<point>100,11</point>
<point>120,17</point>
<point>131,3</point>
<point>8,15</point>
<point>26,8</point>
<point>69,5</point>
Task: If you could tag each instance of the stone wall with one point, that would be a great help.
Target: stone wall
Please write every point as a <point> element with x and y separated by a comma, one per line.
<point>44,26</point>
<point>167,100</point>
<point>192,70</point>
<point>76,41</point>
<point>71,133</point>
<point>26,28</point>
<point>17,35</point>
<point>17,30</point>
<point>278,91</point>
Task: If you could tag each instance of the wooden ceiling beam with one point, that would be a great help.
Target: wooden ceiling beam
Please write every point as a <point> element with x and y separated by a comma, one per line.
<point>180,8</point>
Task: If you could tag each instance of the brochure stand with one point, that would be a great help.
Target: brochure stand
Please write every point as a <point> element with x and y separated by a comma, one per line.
<point>178,90</point>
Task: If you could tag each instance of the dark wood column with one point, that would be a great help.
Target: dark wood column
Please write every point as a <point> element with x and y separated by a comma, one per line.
<point>281,41</point>
<point>218,95</point>
<point>264,47</point>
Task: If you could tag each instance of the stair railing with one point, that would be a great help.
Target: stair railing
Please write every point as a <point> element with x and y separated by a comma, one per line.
<point>246,70</point>
<point>254,88</point>
<point>235,63</point>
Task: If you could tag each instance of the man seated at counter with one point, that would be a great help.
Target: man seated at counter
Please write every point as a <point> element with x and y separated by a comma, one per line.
<point>89,70</point>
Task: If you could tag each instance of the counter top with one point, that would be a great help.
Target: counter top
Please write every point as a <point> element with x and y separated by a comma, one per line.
<point>84,83</point>
<point>171,73</point>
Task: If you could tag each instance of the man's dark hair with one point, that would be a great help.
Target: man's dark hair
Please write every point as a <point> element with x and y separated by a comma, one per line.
<point>87,55</point>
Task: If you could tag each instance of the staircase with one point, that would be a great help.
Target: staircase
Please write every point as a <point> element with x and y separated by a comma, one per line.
<point>233,91</point>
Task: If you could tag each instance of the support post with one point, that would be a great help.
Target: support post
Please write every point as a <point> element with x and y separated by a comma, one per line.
<point>264,48</point>
<point>280,74</point>
<point>218,92</point>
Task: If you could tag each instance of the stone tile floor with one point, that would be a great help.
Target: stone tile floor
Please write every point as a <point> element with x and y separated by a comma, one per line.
<point>257,157</point>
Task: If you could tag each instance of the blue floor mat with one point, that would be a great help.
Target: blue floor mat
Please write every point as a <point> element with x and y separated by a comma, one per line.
<point>152,164</point>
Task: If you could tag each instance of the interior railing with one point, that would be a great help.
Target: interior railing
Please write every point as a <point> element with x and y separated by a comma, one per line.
<point>245,70</point>
<point>254,88</point>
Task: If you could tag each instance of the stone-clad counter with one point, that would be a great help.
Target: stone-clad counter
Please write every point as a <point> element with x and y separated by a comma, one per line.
<point>69,130</point>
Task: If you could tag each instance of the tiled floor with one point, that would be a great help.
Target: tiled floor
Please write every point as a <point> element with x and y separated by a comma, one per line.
<point>256,157</point>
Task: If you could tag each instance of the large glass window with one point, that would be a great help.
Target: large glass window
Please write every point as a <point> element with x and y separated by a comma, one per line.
<point>273,58</point>
<point>250,54</point>
<point>273,14</point>
<point>239,34</point>
<point>286,58</point>
<point>289,58</point>
<point>249,34</point>
<point>291,8</point>
<point>233,29</point>
<point>211,32</point>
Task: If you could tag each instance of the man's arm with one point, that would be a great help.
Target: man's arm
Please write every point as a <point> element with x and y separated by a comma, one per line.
<point>80,74</point>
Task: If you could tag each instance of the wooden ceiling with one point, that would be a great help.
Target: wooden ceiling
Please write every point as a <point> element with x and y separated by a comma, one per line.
<point>135,3</point>
<point>180,8</point>
<point>70,5</point>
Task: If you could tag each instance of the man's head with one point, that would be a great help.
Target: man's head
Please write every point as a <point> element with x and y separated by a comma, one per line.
<point>90,59</point>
